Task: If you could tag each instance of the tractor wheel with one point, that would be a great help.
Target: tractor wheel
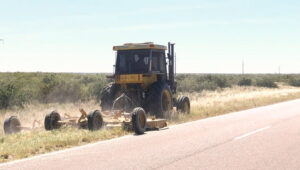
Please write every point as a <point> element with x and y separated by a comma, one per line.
<point>95,120</point>
<point>51,121</point>
<point>12,125</point>
<point>183,104</point>
<point>139,120</point>
<point>159,99</point>
<point>108,96</point>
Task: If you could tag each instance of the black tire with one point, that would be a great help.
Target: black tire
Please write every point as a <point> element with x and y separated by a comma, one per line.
<point>159,99</point>
<point>95,120</point>
<point>183,104</point>
<point>51,121</point>
<point>12,125</point>
<point>139,120</point>
<point>108,95</point>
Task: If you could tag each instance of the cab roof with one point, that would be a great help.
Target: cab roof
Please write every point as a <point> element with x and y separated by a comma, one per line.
<point>136,46</point>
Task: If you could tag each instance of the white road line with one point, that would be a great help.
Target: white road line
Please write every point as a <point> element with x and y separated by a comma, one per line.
<point>251,133</point>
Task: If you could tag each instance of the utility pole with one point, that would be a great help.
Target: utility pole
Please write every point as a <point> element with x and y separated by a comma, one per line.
<point>279,69</point>
<point>243,67</point>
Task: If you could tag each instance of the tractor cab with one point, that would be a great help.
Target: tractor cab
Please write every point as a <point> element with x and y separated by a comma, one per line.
<point>140,58</point>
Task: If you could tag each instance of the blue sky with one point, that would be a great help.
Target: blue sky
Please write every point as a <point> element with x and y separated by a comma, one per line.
<point>211,36</point>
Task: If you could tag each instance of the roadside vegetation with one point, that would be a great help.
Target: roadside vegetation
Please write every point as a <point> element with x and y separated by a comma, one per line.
<point>213,103</point>
<point>31,96</point>
<point>19,89</point>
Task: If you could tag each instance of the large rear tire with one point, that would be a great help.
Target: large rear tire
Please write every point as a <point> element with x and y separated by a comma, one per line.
<point>183,104</point>
<point>159,99</point>
<point>51,121</point>
<point>139,120</point>
<point>95,120</point>
<point>108,96</point>
<point>12,125</point>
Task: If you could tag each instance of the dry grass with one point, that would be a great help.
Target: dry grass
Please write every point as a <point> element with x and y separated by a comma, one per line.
<point>204,104</point>
<point>39,141</point>
<point>26,144</point>
<point>38,111</point>
<point>208,103</point>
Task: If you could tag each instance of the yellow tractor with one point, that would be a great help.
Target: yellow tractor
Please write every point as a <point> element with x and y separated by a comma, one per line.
<point>144,77</point>
<point>143,82</point>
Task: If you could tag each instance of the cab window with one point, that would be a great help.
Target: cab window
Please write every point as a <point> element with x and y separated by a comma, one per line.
<point>158,63</point>
<point>133,61</point>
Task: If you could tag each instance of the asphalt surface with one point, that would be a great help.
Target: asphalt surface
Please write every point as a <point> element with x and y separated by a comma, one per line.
<point>261,138</point>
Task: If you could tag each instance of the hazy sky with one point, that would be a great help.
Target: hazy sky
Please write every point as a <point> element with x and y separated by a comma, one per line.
<point>211,36</point>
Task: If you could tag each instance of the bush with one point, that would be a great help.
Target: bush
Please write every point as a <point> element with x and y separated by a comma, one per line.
<point>65,92</point>
<point>17,89</point>
<point>11,95</point>
<point>295,82</point>
<point>266,82</point>
<point>192,83</point>
<point>48,83</point>
<point>6,94</point>
<point>96,88</point>
<point>55,88</point>
<point>245,82</point>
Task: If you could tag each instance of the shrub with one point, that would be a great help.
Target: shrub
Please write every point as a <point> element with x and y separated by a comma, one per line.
<point>266,82</point>
<point>192,83</point>
<point>66,92</point>
<point>11,95</point>
<point>295,82</point>
<point>6,95</point>
<point>48,83</point>
<point>96,89</point>
<point>245,82</point>
<point>221,81</point>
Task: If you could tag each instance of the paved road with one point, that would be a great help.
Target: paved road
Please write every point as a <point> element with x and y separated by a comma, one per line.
<point>262,138</point>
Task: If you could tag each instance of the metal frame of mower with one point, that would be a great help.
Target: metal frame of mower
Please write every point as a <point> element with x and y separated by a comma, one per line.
<point>95,120</point>
<point>135,121</point>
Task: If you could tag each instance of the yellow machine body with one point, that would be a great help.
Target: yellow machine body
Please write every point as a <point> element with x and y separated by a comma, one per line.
<point>144,79</point>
